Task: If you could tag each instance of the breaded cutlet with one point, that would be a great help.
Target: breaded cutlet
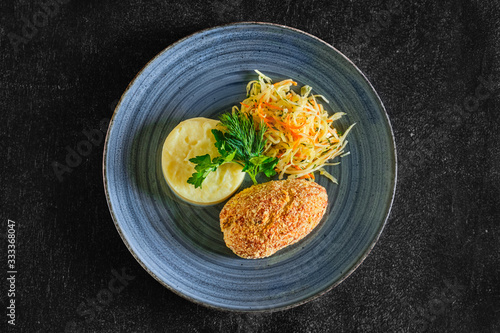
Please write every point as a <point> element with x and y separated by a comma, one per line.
<point>265,218</point>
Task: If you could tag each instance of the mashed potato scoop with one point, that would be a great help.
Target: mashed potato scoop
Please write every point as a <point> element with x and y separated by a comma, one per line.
<point>188,139</point>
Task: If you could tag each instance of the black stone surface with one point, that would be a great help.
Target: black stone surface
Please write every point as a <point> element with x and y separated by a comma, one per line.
<point>436,66</point>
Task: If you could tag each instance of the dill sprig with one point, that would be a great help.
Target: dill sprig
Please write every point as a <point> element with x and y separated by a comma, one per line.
<point>240,142</point>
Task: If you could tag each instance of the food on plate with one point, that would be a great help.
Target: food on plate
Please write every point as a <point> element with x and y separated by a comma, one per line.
<point>292,134</point>
<point>188,139</point>
<point>267,217</point>
<point>241,142</point>
<point>300,132</point>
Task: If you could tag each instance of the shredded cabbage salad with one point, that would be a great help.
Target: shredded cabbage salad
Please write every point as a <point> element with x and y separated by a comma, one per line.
<point>300,132</point>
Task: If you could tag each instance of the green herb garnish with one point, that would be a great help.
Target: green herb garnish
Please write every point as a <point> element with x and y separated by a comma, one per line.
<point>242,143</point>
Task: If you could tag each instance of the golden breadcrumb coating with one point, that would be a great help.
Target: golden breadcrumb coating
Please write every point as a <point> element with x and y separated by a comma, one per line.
<point>265,218</point>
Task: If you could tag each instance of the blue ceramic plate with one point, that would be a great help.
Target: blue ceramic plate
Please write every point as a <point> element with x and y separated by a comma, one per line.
<point>181,245</point>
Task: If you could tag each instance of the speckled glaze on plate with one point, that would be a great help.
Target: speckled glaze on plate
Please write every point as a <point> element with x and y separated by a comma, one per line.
<point>181,245</point>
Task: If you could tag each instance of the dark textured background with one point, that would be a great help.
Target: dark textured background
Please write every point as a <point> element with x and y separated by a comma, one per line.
<point>436,66</point>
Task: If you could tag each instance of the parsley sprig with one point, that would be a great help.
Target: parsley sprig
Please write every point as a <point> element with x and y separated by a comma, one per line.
<point>241,142</point>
